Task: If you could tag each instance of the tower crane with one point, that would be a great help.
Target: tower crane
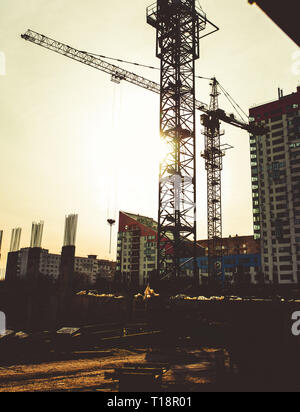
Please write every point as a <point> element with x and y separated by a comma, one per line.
<point>178,103</point>
<point>213,156</point>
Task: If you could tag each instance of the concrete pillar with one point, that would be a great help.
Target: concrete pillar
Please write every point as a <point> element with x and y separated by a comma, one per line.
<point>11,266</point>
<point>33,264</point>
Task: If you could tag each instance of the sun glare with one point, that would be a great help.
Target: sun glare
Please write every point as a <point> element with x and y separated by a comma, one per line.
<point>163,149</point>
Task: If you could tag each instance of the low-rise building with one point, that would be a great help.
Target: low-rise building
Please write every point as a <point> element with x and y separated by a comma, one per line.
<point>236,245</point>
<point>90,267</point>
<point>235,268</point>
<point>240,258</point>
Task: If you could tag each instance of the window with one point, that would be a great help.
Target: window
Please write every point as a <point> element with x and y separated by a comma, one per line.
<point>286,267</point>
<point>284,258</point>
<point>281,206</point>
<point>278,141</point>
<point>277,134</point>
<point>294,145</point>
<point>277,126</point>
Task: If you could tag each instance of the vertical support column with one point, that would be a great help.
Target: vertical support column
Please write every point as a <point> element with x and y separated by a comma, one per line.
<point>67,268</point>
<point>178,24</point>
<point>34,254</point>
<point>15,239</point>
<point>33,263</point>
<point>67,265</point>
<point>13,255</point>
<point>36,235</point>
<point>12,266</point>
<point>68,253</point>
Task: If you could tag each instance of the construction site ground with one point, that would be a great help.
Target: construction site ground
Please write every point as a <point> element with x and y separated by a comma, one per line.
<point>193,371</point>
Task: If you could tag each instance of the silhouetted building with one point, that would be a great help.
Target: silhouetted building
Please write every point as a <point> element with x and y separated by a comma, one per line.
<point>275,166</point>
<point>234,268</point>
<point>236,245</point>
<point>90,268</point>
<point>95,269</point>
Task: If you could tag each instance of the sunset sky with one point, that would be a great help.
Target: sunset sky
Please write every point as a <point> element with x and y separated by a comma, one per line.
<point>71,141</point>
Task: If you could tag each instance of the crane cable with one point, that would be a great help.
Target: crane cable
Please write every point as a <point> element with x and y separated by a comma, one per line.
<point>231,100</point>
<point>121,61</point>
<point>112,188</point>
<point>111,182</point>
<point>234,104</point>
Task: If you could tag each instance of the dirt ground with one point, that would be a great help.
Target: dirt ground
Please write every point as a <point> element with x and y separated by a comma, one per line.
<point>86,373</point>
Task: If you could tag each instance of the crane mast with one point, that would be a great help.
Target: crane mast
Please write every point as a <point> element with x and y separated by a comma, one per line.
<point>177,25</point>
<point>213,156</point>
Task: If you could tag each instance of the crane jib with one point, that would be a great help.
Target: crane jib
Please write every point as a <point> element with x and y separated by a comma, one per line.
<point>119,74</point>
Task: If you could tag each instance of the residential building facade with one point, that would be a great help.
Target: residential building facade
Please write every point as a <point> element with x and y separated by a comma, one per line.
<point>275,168</point>
<point>136,249</point>
<point>236,245</point>
<point>234,268</point>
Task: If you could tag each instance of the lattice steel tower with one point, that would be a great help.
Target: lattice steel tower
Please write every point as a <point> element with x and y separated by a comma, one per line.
<point>178,24</point>
<point>213,156</point>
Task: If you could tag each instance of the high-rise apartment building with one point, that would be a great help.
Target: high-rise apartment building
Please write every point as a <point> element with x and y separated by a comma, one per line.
<point>275,166</point>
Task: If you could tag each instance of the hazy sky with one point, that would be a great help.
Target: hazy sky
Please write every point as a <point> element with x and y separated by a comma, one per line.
<point>72,141</point>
